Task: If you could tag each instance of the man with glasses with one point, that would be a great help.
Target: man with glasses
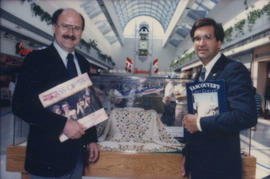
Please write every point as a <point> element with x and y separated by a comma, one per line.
<point>46,156</point>
<point>212,148</point>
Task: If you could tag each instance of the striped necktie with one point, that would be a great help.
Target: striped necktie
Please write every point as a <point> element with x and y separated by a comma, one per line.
<point>71,68</point>
<point>202,75</point>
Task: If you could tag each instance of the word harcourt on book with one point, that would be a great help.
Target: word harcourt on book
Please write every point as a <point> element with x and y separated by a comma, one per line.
<point>206,98</point>
<point>75,99</point>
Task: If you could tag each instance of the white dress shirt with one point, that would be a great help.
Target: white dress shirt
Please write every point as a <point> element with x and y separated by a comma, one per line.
<point>63,54</point>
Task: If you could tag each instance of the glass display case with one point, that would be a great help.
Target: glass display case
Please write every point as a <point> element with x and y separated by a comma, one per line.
<point>144,129</point>
<point>125,96</point>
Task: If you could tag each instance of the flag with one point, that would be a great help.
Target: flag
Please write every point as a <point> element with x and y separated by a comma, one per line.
<point>129,65</point>
<point>155,65</point>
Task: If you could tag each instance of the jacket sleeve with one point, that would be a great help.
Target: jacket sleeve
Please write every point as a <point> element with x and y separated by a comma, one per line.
<point>241,109</point>
<point>26,104</point>
<point>90,135</point>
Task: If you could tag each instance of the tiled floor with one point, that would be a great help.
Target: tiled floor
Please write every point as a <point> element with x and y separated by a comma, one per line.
<point>260,143</point>
<point>260,147</point>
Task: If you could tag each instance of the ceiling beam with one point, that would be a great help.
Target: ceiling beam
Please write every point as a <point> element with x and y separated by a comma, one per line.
<point>177,15</point>
<point>9,17</point>
<point>109,19</point>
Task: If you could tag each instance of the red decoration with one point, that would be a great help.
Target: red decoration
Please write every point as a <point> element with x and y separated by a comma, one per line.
<point>136,71</point>
<point>21,50</point>
<point>129,64</point>
<point>155,65</point>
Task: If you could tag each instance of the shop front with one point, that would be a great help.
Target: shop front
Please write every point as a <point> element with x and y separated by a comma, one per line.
<point>260,73</point>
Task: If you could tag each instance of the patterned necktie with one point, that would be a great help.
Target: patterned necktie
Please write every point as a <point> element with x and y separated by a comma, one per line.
<point>71,68</point>
<point>202,75</point>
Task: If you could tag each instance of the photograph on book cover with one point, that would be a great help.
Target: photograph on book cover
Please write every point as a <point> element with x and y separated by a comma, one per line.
<point>78,105</point>
<point>206,98</point>
<point>199,101</point>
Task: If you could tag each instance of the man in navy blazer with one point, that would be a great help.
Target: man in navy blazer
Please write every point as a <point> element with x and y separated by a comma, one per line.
<point>212,148</point>
<point>43,69</point>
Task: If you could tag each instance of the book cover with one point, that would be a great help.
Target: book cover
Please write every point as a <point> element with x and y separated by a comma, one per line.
<point>206,98</point>
<point>76,100</point>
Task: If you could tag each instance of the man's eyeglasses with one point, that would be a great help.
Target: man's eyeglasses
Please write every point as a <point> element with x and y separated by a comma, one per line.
<point>67,27</point>
<point>206,37</point>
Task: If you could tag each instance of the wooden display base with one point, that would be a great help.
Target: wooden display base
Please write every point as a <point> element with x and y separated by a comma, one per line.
<point>127,165</point>
<point>114,164</point>
<point>249,167</point>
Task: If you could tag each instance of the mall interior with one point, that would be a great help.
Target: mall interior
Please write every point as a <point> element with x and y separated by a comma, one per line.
<point>135,48</point>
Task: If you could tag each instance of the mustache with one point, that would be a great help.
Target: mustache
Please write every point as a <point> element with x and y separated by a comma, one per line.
<point>69,37</point>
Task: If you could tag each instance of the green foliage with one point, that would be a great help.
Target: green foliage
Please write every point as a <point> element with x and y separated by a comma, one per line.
<point>266,9</point>
<point>102,56</point>
<point>228,34</point>
<point>183,59</point>
<point>253,16</point>
<point>239,26</point>
<point>85,44</point>
<point>93,44</point>
<point>251,20</point>
<point>38,11</point>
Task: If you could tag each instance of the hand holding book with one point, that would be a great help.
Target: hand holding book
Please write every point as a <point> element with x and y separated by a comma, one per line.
<point>190,123</point>
<point>73,129</point>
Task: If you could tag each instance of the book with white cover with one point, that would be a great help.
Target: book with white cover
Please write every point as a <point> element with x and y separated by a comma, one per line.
<point>76,100</point>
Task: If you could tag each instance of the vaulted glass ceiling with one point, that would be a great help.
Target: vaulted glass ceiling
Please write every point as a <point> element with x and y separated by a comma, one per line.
<point>160,10</point>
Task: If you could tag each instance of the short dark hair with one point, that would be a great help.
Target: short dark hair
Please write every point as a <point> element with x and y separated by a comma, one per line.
<point>218,29</point>
<point>57,13</point>
<point>55,107</point>
<point>65,103</point>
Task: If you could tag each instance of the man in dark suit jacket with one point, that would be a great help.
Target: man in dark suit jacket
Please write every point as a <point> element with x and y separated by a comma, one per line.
<point>212,148</point>
<point>43,69</point>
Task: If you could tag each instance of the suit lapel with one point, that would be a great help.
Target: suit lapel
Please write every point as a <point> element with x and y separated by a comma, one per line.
<point>82,63</point>
<point>59,65</point>
<point>57,62</point>
<point>196,79</point>
<point>217,68</point>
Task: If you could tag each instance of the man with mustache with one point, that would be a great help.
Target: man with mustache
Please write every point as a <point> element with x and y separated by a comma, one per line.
<point>212,148</point>
<point>46,156</point>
